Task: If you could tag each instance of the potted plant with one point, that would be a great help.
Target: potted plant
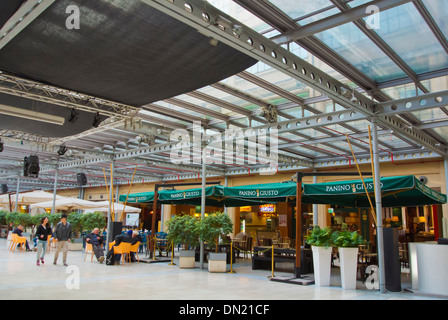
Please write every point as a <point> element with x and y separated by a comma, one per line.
<point>211,228</point>
<point>347,243</point>
<point>320,241</point>
<point>184,230</point>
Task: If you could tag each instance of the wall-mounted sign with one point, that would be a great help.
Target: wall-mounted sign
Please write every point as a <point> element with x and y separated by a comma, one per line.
<point>267,208</point>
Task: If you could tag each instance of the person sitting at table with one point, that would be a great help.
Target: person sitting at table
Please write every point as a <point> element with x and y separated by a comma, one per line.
<point>96,240</point>
<point>19,231</point>
<point>131,237</point>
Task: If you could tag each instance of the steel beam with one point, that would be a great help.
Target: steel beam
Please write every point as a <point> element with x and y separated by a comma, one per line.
<point>336,20</point>
<point>26,14</point>
<point>226,29</point>
<point>38,91</point>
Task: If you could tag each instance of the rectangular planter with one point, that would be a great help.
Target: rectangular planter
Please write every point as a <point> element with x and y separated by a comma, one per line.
<point>322,265</point>
<point>186,259</point>
<point>217,262</point>
<point>349,264</point>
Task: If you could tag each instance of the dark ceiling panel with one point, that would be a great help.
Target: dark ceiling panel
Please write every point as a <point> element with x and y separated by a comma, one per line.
<point>7,9</point>
<point>124,51</point>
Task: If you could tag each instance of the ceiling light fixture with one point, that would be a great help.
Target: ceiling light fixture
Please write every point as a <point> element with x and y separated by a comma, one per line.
<point>62,150</point>
<point>31,115</point>
<point>74,114</point>
<point>96,120</point>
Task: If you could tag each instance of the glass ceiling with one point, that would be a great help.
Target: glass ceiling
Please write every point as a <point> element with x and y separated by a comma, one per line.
<point>404,31</point>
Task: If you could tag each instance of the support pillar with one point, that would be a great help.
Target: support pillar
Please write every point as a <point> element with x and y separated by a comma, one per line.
<point>17,193</point>
<point>109,212</point>
<point>55,189</point>
<point>203,196</point>
<point>379,207</point>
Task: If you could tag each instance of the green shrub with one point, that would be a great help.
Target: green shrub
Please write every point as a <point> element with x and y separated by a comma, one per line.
<point>93,220</point>
<point>347,239</point>
<point>320,237</point>
<point>3,217</point>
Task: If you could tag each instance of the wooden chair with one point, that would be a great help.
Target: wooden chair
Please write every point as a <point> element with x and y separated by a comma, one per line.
<point>134,248</point>
<point>124,249</point>
<point>248,247</point>
<point>89,250</point>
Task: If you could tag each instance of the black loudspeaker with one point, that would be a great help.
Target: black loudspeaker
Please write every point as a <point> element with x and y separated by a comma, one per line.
<point>82,179</point>
<point>31,166</point>
<point>117,227</point>
<point>4,188</point>
<point>392,273</point>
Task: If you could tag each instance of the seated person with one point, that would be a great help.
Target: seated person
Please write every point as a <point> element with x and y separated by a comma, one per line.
<point>96,240</point>
<point>19,231</point>
<point>131,237</point>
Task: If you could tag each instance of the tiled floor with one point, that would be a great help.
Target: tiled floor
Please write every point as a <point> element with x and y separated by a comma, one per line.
<point>20,278</point>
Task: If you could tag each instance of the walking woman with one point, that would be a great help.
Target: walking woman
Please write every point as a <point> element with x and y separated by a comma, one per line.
<point>42,233</point>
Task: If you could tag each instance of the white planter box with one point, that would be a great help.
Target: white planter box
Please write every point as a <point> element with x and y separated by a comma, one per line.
<point>217,262</point>
<point>322,265</point>
<point>187,259</point>
<point>349,263</point>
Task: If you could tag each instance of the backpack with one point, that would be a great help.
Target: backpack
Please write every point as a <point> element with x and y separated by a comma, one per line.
<point>110,257</point>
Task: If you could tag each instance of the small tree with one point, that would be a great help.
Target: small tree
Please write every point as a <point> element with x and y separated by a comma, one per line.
<point>12,217</point>
<point>54,219</point>
<point>214,226</point>
<point>183,230</point>
<point>75,219</point>
<point>93,220</point>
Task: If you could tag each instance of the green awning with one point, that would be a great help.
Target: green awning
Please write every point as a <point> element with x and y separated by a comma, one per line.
<point>192,196</point>
<point>138,197</point>
<point>259,194</point>
<point>401,191</point>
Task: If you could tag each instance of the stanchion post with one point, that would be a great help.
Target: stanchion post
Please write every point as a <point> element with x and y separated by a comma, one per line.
<point>172,254</point>
<point>272,259</point>
<point>231,258</point>
<point>154,251</point>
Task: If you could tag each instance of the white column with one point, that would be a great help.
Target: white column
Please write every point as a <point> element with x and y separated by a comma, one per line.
<point>17,193</point>
<point>204,180</point>
<point>379,206</point>
<point>55,189</point>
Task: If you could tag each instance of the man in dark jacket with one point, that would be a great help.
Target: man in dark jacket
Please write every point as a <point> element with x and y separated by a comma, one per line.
<point>63,234</point>
<point>96,241</point>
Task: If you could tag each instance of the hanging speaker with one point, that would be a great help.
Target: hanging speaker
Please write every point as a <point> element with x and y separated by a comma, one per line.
<point>4,188</point>
<point>31,166</point>
<point>82,179</point>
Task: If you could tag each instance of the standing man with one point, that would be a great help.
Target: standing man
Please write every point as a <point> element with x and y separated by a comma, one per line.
<point>63,234</point>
